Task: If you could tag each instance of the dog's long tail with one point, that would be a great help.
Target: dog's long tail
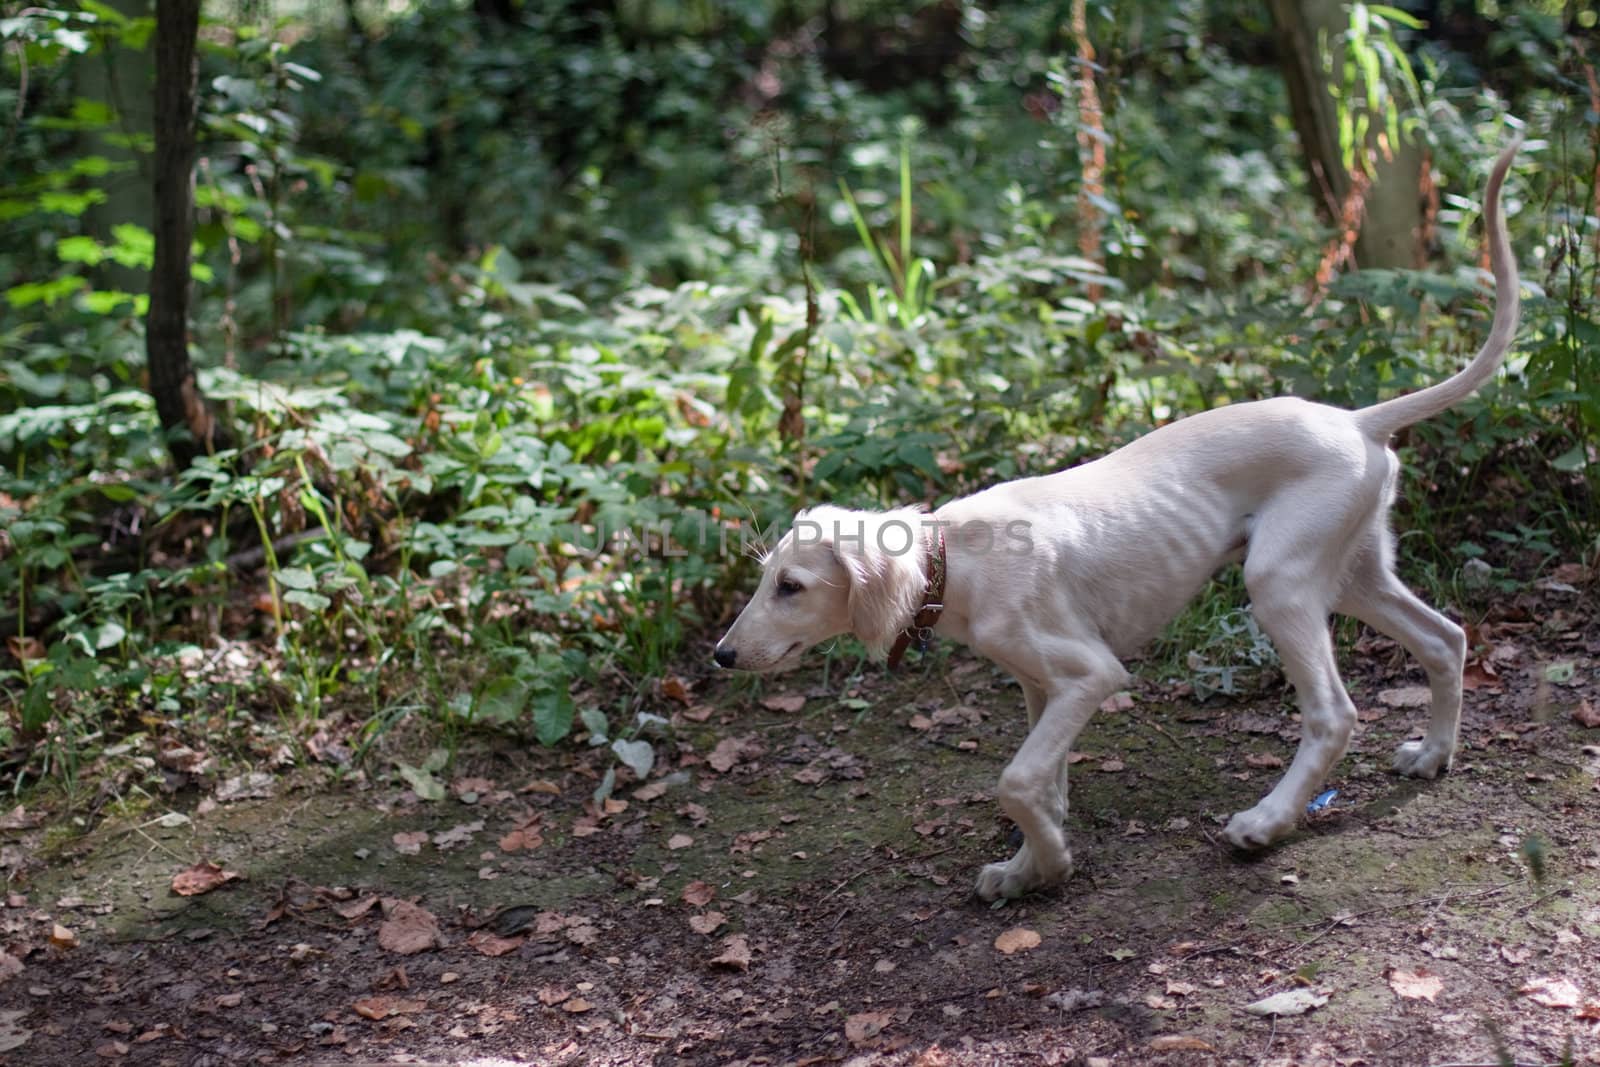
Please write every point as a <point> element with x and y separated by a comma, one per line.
<point>1381,421</point>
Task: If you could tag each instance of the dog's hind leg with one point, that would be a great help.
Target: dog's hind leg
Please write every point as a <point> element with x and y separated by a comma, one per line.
<point>1291,592</point>
<point>1378,598</point>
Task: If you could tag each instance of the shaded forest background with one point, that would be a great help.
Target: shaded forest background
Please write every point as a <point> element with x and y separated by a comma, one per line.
<point>520,322</point>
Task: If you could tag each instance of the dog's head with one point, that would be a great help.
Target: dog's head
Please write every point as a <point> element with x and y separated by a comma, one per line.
<point>835,572</point>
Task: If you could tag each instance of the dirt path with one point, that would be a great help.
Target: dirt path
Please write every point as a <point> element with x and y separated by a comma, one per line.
<point>794,886</point>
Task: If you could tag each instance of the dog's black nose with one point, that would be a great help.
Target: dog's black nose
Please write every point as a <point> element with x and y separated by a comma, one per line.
<point>725,656</point>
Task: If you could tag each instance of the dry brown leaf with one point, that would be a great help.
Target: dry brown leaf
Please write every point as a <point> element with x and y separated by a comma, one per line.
<point>19,819</point>
<point>735,954</point>
<point>576,1005</point>
<point>707,922</point>
<point>26,648</point>
<point>675,688</point>
<point>522,839</point>
<point>1553,992</point>
<point>355,909</point>
<point>789,702</point>
<point>1263,759</point>
<point>863,1027</point>
<point>1419,983</point>
<point>407,929</point>
<point>699,893</point>
<point>410,844</point>
<point>920,722</point>
<point>1178,1043</point>
<point>729,751</point>
<point>1017,939</point>
<point>1586,714</point>
<point>488,944</point>
<point>203,877</point>
<point>652,791</point>
<point>112,1049</point>
<point>698,713</point>
<point>456,836</point>
<point>381,1007</point>
<point>1112,766</point>
<point>10,966</point>
<point>550,995</point>
<point>541,785</point>
<point>679,841</point>
<point>1409,696</point>
<point>61,937</point>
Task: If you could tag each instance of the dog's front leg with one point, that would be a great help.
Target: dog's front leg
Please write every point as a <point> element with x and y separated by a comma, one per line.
<point>1033,787</point>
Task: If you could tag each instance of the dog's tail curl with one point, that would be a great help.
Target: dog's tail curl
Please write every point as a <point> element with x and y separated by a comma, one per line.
<point>1381,421</point>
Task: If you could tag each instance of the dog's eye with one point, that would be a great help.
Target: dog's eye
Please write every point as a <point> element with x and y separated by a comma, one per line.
<point>789,587</point>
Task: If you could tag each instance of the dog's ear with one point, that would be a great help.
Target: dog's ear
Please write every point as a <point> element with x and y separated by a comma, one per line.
<point>887,578</point>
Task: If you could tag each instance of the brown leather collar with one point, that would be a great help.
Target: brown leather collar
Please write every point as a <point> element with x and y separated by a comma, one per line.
<point>927,616</point>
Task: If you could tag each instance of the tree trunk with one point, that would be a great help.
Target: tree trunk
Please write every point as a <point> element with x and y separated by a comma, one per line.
<point>1391,214</point>
<point>190,427</point>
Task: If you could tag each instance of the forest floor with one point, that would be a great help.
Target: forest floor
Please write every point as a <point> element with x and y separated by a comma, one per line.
<point>793,884</point>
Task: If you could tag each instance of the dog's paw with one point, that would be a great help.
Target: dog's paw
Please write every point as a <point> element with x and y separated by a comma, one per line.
<point>1017,877</point>
<point>1418,759</point>
<point>1256,828</point>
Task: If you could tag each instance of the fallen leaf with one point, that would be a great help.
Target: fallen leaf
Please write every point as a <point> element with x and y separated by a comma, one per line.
<point>1294,1002</point>
<point>1410,696</point>
<point>674,688</point>
<point>810,776</point>
<point>1263,759</point>
<point>1180,989</point>
<point>230,1000</point>
<point>10,966</point>
<point>407,929</point>
<point>735,954</point>
<point>257,785</point>
<point>1553,992</point>
<point>381,1007</point>
<point>679,841</point>
<point>541,785</point>
<point>355,909</point>
<point>862,1027</point>
<point>576,1005</point>
<point>410,844</point>
<point>698,893</point>
<point>203,877</point>
<point>112,1049</point>
<point>1416,984</point>
<point>1112,766</point>
<point>488,944</point>
<point>707,922</point>
<point>729,751</point>
<point>1586,714</point>
<point>788,702</point>
<point>1017,939</point>
<point>698,713</point>
<point>1178,1043</point>
<point>445,840</point>
<point>650,792</point>
<point>920,722</point>
<point>11,1034</point>
<point>61,937</point>
<point>19,819</point>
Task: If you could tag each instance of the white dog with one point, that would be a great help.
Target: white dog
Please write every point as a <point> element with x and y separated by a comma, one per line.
<point>1054,578</point>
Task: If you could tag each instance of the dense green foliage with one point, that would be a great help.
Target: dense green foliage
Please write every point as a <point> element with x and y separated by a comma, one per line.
<point>531,323</point>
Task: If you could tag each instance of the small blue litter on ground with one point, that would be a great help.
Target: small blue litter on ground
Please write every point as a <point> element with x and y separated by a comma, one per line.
<point>1322,800</point>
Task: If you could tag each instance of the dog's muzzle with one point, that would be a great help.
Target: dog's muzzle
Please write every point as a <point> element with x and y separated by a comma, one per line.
<point>725,657</point>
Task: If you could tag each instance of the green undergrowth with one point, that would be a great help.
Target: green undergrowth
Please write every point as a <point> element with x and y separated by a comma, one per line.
<point>509,471</point>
